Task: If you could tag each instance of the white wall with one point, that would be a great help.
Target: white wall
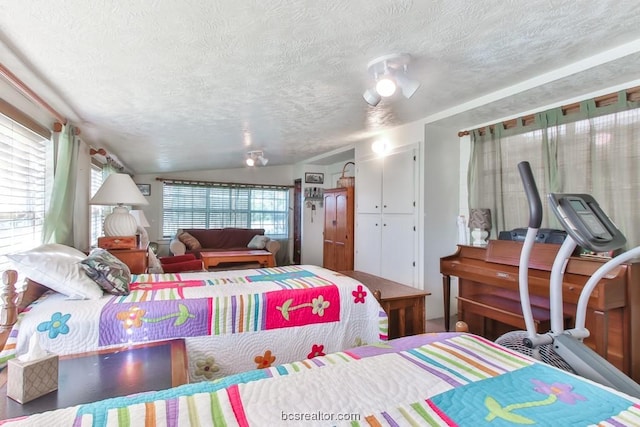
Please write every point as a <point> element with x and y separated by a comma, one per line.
<point>441,207</point>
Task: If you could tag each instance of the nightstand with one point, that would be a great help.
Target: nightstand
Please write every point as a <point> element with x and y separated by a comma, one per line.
<point>404,305</point>
<point>137,259</point>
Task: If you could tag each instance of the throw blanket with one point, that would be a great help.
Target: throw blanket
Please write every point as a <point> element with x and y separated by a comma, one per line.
<point>232,321</point>
<point>436,379</point>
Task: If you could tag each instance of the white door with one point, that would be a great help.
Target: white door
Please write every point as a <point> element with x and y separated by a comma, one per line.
<point>367,254</point>
<point>369,185</point>
<point>397,258</point>
<point>398,181</point>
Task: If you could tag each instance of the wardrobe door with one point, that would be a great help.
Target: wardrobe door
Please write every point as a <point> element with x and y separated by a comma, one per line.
<point>330,220</point>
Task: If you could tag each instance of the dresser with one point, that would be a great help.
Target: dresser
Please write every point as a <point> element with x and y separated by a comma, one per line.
<point>488,298</point>
<point>137,259</point>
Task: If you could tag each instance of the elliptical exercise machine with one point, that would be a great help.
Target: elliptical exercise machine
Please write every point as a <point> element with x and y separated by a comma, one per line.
<point>587,225</point>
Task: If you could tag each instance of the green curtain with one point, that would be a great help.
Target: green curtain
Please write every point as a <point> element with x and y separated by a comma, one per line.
<point>594,151</point>
<point>484,185</point>
<point>58,222</point>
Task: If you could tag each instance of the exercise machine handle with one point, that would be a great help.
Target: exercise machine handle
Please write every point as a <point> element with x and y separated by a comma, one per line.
<point>530,188</point>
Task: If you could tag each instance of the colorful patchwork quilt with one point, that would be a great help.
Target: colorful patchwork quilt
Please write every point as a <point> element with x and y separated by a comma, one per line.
<point>445,379</point>
<point>232,321</point>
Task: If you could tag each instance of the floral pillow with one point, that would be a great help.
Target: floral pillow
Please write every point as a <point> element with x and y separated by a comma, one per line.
<point>109,272</point>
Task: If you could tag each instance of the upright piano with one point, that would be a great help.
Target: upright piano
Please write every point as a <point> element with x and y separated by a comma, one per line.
<point>489,300</point>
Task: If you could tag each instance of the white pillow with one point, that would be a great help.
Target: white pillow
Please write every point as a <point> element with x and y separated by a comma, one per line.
<point>58,268</point>
<point>258,242</point>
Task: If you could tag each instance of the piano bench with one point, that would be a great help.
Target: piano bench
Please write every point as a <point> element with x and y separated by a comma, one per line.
<point>505,310</point>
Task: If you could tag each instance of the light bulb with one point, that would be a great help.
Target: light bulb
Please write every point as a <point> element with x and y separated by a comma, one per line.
<point>386,86</point>
<point>250,161</point>
<point>380,147</point>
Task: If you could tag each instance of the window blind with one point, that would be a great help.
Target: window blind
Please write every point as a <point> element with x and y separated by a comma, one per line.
<point>189,205</point>
<point>23,188</point>
<point>97,212</point>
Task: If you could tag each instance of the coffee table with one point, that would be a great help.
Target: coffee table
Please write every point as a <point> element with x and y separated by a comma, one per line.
<point>212,259</point>
<point>96,375</point>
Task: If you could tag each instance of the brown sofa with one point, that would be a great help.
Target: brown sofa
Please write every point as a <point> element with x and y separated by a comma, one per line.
<point>218,239</point>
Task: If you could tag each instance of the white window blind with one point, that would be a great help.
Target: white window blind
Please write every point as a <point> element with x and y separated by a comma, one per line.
<point>97,212</point>
<point>205,206</point>
<point>23,188</point>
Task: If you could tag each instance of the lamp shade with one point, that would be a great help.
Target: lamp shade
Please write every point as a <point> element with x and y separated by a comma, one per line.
<point>140,218</point>
<point>118,189</point>
<point>480,218</point>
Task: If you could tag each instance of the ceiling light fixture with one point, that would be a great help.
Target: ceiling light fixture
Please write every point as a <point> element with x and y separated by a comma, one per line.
<point>390,73</point>
<point>256,157</point>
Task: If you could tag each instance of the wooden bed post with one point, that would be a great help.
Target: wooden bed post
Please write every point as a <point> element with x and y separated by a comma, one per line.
<point>462,326</point>
<point>8,304</point>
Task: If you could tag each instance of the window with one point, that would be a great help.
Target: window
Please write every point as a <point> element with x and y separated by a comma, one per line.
<point>23,188</point>
<point>598,155</point>
<point>97,212</point>
<point>209,205</point>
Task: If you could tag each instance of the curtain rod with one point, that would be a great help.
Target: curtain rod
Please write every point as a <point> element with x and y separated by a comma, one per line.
<point>19,84</point>
<point>633,94</point>
<point>219,183</point>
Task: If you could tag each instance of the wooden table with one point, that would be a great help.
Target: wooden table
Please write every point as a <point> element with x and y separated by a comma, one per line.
<point>212,259</point>
<point>96,375</point>
<point>404,305</point>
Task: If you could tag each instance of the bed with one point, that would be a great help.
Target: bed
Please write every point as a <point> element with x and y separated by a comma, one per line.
<point>430,379</point>
<point>232,321</point>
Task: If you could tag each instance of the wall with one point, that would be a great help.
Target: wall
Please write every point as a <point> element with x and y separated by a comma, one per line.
<point>410,134</point>
<point>439,185</point>
<point>441,207</point>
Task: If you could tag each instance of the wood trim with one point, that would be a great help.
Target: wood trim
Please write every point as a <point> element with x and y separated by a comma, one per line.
<point>18,116</point>
<point>26,90</point>
<point>633,95</point>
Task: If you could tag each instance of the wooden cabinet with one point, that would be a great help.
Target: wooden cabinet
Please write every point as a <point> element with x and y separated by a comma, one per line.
<point>338,229</point>
<point>488,298</point>
<point>386,216</point>
<point>137,259</point>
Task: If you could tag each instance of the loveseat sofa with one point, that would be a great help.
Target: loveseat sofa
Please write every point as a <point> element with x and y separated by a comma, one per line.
<point>195,240</point>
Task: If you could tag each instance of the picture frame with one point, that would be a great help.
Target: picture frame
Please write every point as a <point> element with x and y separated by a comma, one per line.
<point>313,178</point>
<point>145,189</point>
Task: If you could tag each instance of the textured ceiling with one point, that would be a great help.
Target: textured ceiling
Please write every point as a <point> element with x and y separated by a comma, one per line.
<point>189,85</point>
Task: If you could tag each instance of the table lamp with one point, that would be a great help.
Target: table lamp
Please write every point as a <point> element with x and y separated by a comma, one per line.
<point>480,225</point>
<point>119,189</point>
<point>142,222</point>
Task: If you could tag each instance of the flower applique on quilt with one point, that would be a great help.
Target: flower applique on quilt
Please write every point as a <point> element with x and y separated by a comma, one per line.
<point>57,325</point>
<point>359,295</point>
<point>265,361</point>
